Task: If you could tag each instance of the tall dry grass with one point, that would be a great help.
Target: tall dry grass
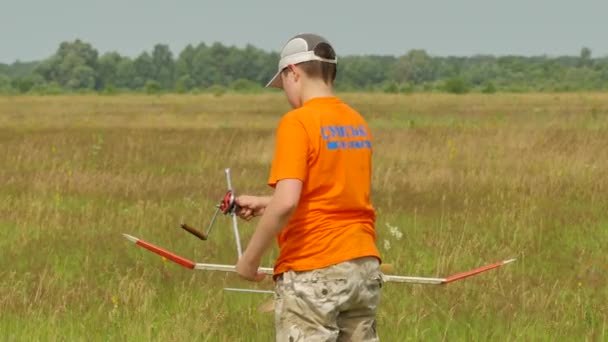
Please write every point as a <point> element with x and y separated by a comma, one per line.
<point>458,181</point>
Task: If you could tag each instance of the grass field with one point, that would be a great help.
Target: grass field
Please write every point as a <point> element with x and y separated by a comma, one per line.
<point>466,180</point>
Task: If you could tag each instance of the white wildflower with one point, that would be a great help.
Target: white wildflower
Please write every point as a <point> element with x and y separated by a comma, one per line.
<point>387,244</point>
<point>395,232</point>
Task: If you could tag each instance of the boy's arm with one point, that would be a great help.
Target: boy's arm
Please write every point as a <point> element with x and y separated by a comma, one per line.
<point>276,215</point>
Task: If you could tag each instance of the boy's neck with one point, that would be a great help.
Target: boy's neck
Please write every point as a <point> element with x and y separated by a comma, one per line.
<point>315,89</point>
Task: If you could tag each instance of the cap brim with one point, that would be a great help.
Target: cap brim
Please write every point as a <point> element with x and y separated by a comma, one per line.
<point>276,81</point>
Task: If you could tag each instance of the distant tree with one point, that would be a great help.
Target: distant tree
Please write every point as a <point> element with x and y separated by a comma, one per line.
<point>108,70</point>
<point>73,66</point>
<point>48,89</point>
<point>579,79</point>
<point>602,71</point>
<point>585,53</point>
<point>109,89</point>
<point>479,70</point>
<point>216,89</point>
<point>205,66</point>
<point>456,85</point>
<point>26,84</point>
<point>489,88</point>
<point>144,70</point>
<point>221,56</point>
<point>236,65</point>
<point>259,65</point>
<point>183,64</point>
<point>363,71</point>
<point>152,87</point>
<point>391,87</point>
<point>585,57</point>
<point>22,85</point>
<point>163,66</point>
<point>415,67</point>
<point>5,82</point>
<point>18,69</point>
<point>407,88</point>
<point>82,77</point>
<point>244,85</point>
<point>126,74</point>
<point>184,84</point>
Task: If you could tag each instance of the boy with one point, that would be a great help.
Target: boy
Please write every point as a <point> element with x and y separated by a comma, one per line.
<point>327,274</point>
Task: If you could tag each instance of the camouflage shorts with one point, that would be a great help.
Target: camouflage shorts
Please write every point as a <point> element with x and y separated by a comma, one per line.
<point>337,303</point>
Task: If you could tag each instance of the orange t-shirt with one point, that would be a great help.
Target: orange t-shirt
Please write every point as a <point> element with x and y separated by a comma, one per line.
<point>328,146</point>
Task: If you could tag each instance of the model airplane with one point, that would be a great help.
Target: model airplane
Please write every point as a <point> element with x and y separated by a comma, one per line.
<point>228,206</point>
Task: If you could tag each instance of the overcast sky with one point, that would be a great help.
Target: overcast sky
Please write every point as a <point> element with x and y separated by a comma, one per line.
<point>31,30</point>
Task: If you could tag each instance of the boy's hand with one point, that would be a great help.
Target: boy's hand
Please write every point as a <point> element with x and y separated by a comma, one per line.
<point>249,270</point>
<point>250,206</point>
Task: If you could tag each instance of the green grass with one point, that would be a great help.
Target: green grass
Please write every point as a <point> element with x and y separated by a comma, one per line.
<point>467,180</point>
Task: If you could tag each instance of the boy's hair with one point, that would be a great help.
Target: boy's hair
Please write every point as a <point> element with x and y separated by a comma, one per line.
<point>318,69</point>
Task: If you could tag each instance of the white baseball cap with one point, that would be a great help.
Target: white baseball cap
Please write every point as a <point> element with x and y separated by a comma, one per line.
<point>299,49</point>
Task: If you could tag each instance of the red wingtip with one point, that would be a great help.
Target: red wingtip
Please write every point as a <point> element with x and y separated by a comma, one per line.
<point>478,270</point>
<point>173,257</point>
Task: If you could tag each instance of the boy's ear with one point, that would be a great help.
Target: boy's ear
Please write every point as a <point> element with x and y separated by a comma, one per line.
<point>295,70</point>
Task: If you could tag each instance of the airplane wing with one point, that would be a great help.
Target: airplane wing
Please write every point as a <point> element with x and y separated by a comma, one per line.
<point>269,270</point>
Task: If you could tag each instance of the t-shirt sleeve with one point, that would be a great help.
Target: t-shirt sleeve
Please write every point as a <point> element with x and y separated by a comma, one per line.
<point>291,151</point>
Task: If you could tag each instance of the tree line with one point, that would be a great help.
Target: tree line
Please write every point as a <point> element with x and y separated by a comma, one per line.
<point>78,67</point>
